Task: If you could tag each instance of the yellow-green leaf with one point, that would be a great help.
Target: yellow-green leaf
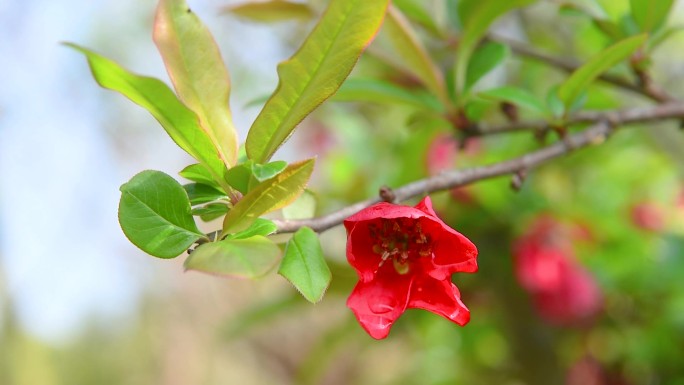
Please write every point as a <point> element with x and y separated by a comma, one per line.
<point>269,195</point>
<point>315,72</point>
<point>156,97</point>
<point>260,226</point>
<point>242,258</point>
<point>582,77</point>
<point>412,53</point>
<point>270,11</point>
<point>199,76</point>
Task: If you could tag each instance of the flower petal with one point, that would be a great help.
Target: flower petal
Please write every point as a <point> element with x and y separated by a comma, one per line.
<point>360,253</point>
<point>426,206</point>
<point>453,252</point>
<point>377,304</point>
<point>383,210</point>
<point>440,297</point>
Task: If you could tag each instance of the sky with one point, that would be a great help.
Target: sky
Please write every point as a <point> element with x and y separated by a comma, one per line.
<point>66,146</point>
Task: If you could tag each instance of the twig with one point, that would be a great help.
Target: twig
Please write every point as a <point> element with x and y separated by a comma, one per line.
<point>604,124</point>
<point>648,89</point>
<point>630,115</point>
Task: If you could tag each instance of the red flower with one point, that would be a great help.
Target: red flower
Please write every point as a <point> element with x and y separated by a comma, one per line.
<point>564,293</point>
<point>648,216</point>
<point>405,257</point>
<point>441,154</point>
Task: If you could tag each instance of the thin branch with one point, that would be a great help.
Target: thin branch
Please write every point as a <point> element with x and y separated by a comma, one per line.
<point>595,134</point>
<point>648,89</point>
<point>631,115</point>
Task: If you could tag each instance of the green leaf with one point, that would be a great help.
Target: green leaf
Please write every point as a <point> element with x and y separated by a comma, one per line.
<point>518,96</point>
<point>484,59</point>
<point>238,177</point>
<point>266,171</point>
<point>260,226</point>
<point>628,25</point>
<point>613,9</point>
<point>198,173</point>
<point>650,15</point>
<point>154,213</point>
<point>302,208</point>
<point>270,195</point>
<point>315,72</point>
<point>304,265</point>
<point>379,91</point>
<point>554,104</point>
<point>415,10</point>
<point>152,94</point>
<point>412,52</point>
<point>476,16</point>
<point>609,28</point>
<point>242,258</point>
<point>201,193</point>
<point>211,211</point>
<point>270,11</point>
<point>582,77</point>
<point>194,64</point>
<point>475,109</point>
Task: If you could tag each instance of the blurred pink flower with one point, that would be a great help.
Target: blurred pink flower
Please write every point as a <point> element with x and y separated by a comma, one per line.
<point>648,216</point>
<point>586,371</point>
<point>563,292</point>
<point>441,154</point>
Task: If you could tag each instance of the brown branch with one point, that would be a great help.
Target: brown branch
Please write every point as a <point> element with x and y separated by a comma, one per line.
<point>595,134</point>
<point>648,89</point>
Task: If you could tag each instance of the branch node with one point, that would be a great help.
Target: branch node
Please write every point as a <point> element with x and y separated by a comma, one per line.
<point>562,132</point>
<point>540,134</point>
<point>518,178</point>
<point>387,195</point>
<point>510,110</point>
<point>211,237</point>
<point>613,120</point>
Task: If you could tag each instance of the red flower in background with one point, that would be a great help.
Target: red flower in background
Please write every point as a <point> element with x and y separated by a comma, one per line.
<point>441,156</point>
<point>405,257</point>
<point>563,292</point>
<point>586,371</point>
<point>648,216</point>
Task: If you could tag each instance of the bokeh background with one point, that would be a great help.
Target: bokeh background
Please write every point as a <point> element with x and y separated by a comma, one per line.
<point>80,305</point>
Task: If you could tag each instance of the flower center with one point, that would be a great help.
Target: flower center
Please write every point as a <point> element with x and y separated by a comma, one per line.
<point>400,241</point>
